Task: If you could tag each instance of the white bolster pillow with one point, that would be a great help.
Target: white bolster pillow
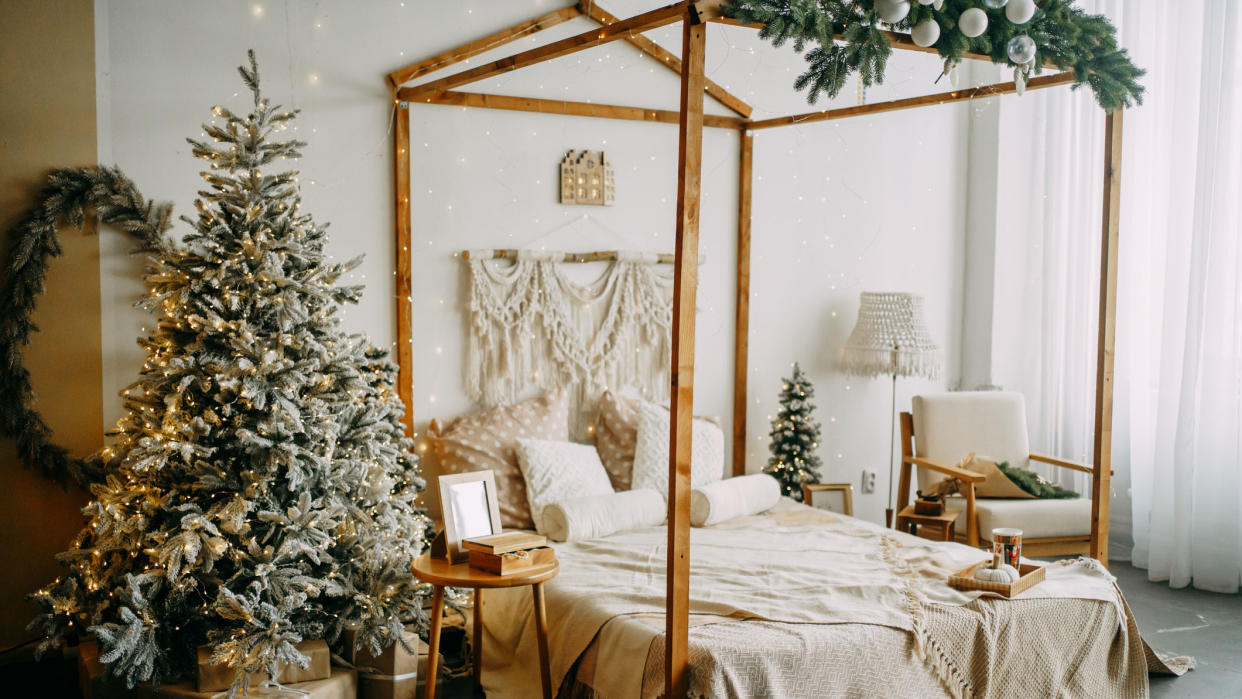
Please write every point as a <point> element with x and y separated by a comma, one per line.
<point>733,497</point>
<point>593,516</point>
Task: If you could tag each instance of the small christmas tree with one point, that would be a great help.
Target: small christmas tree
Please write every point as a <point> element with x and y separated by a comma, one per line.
<point>259,489</point>
<point>794,437</point>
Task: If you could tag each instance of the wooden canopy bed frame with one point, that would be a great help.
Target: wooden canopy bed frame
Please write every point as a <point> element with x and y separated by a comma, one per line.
<point>691,120</point>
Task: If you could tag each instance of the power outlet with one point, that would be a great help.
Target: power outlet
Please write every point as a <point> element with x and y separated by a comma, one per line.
<point>868,481</point>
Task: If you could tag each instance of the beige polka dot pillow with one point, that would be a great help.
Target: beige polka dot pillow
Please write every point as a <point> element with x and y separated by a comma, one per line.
<point>487,440</point>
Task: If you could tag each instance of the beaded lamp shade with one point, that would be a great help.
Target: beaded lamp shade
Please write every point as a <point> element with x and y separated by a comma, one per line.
<point>891,338</point>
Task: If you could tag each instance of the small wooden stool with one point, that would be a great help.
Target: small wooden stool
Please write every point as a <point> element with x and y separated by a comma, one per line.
<point>940,527</point>
<point>441,573</point>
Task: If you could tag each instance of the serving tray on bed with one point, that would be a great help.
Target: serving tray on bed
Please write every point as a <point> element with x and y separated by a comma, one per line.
<point>1028,576</point>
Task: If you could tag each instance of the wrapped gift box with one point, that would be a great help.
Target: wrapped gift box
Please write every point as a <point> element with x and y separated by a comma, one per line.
<point>93,677</point>
<point>394,673</point>
<point>342,683</point>
<point>213,678</point>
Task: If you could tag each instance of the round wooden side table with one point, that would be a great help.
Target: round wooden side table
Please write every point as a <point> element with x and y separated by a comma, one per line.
<point>441,573</point>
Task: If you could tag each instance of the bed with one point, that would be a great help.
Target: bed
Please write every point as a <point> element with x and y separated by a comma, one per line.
<point>804,602</point>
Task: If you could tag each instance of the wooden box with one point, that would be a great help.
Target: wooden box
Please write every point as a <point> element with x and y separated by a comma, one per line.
<point>512,562</point>
<point>1029,576</point>
<point>504,543</point>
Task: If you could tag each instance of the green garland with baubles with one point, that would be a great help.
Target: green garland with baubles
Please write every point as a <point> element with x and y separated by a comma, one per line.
<point>845,37</point>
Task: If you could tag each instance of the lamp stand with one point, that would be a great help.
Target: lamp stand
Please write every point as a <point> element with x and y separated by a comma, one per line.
<point>892,427</point>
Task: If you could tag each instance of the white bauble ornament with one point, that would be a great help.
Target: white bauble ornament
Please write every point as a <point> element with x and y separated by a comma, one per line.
<point>1020,11</point>
<point>1021,49</point>
<point>995,4</point>
<point>973,22</point>
<point>892,11</point>
<point>925,33</point>
<point>926,2</point>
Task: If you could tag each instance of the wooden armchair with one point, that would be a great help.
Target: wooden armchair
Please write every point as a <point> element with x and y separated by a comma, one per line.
<point>943,428</point>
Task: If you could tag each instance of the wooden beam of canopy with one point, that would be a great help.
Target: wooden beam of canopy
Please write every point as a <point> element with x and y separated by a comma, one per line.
<point>487,43</point>
<point>741,318</point>
<point>544,106</point>
<point>982,91</point>
<point>401,188</point>
<point>681,407</point>
<point>596,37</point>
<point>1103,436</point>
<point>898,40</point>
<point>665,57</point>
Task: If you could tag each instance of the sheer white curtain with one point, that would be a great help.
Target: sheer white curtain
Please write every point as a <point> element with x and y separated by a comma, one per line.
<point>1177,448</point>
<point>1179,334</point>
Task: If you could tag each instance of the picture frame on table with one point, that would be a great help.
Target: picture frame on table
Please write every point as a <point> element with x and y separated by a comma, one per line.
<point>470,505</point>
<point>834,497</point>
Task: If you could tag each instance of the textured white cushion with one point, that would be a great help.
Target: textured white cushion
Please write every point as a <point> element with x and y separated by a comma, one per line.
<point>1036,518</point>
<point>948,426</point>
<point>651,451</point>
<point>733,497</point>
<point>557,471</point>
<point>593,516</point>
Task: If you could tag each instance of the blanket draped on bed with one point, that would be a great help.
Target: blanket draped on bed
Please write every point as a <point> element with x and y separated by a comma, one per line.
<point>801,581</point>
<point>532,326</point>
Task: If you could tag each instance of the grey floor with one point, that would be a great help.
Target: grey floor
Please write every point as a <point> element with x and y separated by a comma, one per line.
<point>1205,625</point>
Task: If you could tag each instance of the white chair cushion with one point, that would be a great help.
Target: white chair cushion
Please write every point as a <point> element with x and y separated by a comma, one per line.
<point>948,426</point>
<point>1036,518</point>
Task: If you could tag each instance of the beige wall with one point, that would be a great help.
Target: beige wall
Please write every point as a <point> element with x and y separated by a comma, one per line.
<point>47,119</point>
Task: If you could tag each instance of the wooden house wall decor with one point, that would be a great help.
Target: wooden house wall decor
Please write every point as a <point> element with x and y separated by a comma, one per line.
<point>587,178</point>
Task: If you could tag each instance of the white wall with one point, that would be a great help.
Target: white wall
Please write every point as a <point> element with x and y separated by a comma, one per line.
<point>875,203</point>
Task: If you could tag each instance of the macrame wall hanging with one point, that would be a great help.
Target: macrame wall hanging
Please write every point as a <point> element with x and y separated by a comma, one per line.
<point>531,326</point>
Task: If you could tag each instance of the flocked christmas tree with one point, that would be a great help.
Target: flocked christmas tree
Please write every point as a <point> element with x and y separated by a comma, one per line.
<point>259,490</point>
<point>794,437</point>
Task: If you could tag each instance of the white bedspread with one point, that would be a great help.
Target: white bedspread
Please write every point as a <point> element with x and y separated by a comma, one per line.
<point>792,564</point>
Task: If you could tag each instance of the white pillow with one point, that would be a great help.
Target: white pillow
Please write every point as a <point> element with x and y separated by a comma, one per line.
<point>651,451</point>
<point>593,516</point>
<point>559,471</point>
<point>733,497</point>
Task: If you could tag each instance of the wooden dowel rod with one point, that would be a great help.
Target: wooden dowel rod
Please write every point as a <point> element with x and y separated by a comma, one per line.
<point>596,37</point>
<point>967,94</point>
<point>666,58</point>
<point>602,255</point>
<point>487,43</point>
<point>544,106</point>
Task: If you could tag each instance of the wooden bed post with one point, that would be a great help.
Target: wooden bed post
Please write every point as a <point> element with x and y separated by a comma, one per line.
<point>1101,477</point>
<point>689,170</point>
<point>741,325</point>
<point>401,190</point>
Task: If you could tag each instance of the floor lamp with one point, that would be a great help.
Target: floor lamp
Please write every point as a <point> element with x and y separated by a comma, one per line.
<point>891,339</point>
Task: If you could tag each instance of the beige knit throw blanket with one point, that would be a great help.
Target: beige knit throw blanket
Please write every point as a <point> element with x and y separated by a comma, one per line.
<point>806,569</point>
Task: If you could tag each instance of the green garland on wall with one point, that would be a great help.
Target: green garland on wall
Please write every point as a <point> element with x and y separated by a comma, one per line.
<point>67,196</point>
<point>1064,35</point>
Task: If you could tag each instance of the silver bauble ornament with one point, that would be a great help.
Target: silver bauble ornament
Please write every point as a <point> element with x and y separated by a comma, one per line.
<point>1020,11</point>
<point>926,2</point>
<point>973,22</point>
<point>1021,49</point>
<point>995,4</point>
<point>925,33</point>
<point>892,11</point>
